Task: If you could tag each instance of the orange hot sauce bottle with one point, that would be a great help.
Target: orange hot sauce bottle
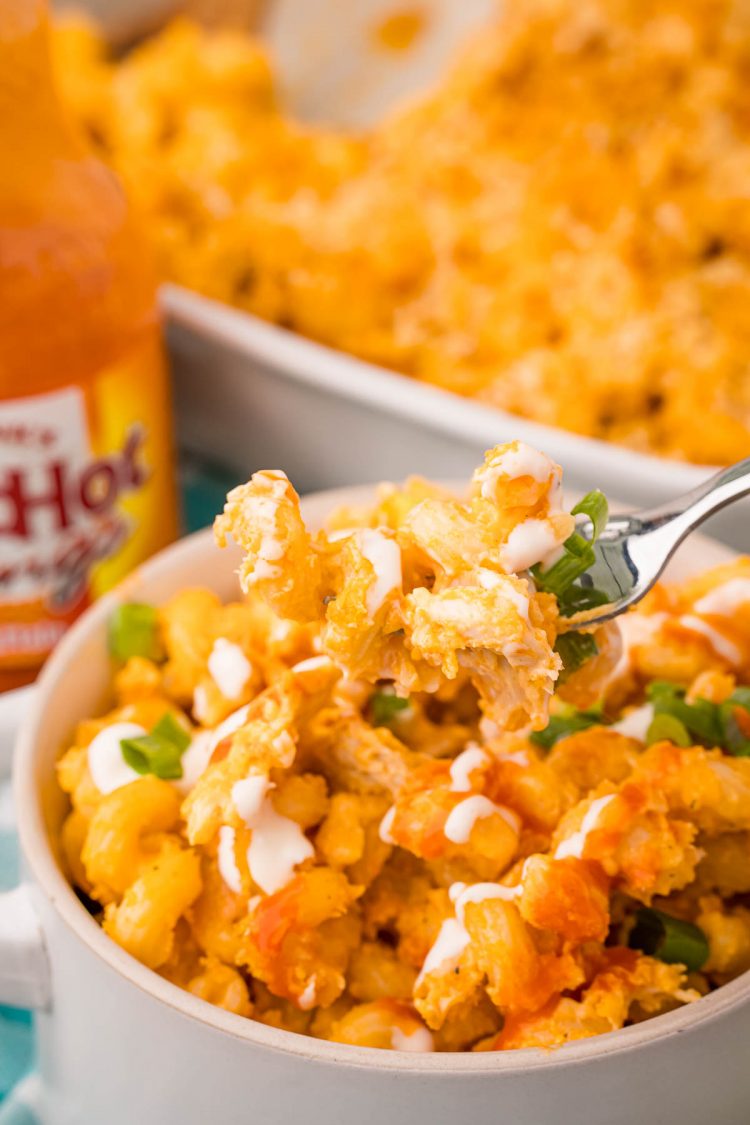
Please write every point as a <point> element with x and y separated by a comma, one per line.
<point>86,474</point>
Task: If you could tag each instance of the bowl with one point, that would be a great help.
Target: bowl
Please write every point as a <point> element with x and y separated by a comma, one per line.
<point>117,1043</point>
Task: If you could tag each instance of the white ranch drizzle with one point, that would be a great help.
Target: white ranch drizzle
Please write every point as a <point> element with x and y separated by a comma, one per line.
<point>312,663</point>
<point>265,509</point>
<point>721,645</point>
<point>308,997</point>
<point>386,824</point>
<point>575,844</point>
<point>530,542</point>
<point>461,819</point>
<point>230,669</point>
<point>521,460</point>
<point>226,860</point>
<point>384,556</point>
<point>723,600</point>
<point>277,844</point>
<point>196,758</point>
<point>636,723</point>
<point>453,937</point>
<point>108,768</point>
<point>464,764</point>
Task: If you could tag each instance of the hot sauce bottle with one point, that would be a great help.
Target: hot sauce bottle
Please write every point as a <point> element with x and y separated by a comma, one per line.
<point>86,474</point>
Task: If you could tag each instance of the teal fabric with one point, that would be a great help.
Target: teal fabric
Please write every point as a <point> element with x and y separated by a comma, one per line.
<point>204,488</point>
<point>16,1032</point>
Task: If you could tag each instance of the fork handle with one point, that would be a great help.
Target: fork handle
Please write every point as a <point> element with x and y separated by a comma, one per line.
<point>686,512</point>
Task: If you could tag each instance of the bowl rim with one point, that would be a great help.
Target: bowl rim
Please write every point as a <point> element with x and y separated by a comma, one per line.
<point>50,880</point>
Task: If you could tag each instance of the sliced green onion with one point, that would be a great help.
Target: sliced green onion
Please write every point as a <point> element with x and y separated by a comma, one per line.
<point>670,939</point>
<point>385,705</point>
<point>576,599</point>
<point>562,726</point>
<point>170,729</point>
<point>159,752</point>
<point>594,505</point>
<point>701,717</point>
<point>134,631</point>
<point>735,737</point>
<point>667,728</point>
<point>578,557</point>
<point>574,649</point>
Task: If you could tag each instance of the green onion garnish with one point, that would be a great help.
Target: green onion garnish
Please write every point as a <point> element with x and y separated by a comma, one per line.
<point>385,705</point>
<point>670,939</point>
<point>594,505</point>
<point>667,728</point>
<point>134,631</point>
<point>574,649</point>
<point>160,751</point>
<point>565,724</point>
<point>578,557</point>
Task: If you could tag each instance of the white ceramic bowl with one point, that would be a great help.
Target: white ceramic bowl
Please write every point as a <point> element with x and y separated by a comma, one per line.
<point>118,1044</point>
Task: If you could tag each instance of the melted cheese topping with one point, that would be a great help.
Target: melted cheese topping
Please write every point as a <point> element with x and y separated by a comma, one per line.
<point>575,844</point>
<point>108,768</point>
<point>229,668</point>
<point>461,819</point>
<point>384,556</point>
<point>462,767</point>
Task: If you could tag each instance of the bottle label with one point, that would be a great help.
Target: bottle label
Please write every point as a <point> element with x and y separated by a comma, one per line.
<point>70,511</point>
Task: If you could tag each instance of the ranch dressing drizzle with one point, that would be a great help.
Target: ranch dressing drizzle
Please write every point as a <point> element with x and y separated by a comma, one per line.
<point>108,768</point>
<point>226,859</point>
<point>462,767</point>
<point>463,817</point>
<point>277,844</point>
<point>721,645</point>
<point>308,997</point>
<point>575,844</point>
<point>229,667</point>
<point>518,461</point>
<point>636,723</point>
<point>312,664</point>
<point>198,754</point>
<point>530,542</point>
<point>386,824</point>
<point>384,556</point>
<point>453,937</point>
<point>725,599</point>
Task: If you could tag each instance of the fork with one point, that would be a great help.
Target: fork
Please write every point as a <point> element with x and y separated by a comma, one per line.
<point>633,549</point>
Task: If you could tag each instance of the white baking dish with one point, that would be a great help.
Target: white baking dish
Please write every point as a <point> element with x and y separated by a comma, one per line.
<point>254,396</point>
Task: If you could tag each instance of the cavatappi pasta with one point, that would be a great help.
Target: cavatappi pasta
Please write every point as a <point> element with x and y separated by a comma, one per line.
<point>350,805</point>
<point>560,229</point>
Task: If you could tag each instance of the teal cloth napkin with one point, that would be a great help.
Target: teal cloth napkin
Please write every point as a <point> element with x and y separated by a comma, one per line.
<point>204,488</point>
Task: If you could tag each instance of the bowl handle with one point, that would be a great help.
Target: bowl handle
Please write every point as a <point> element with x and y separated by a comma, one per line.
<point>24,968</point>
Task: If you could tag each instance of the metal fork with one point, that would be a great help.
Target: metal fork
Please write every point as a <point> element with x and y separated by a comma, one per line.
<point>633,549</point>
